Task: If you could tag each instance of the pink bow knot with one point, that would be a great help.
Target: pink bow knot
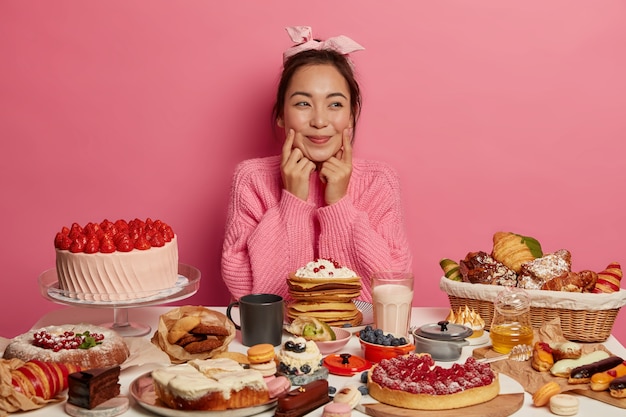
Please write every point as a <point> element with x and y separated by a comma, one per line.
<point>302,36</point>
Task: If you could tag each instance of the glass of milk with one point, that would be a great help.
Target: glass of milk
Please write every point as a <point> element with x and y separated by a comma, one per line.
<point>392,299</point>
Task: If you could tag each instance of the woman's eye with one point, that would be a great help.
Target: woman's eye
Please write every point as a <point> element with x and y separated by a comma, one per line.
<point>302,104</point>
<point>337,104</point>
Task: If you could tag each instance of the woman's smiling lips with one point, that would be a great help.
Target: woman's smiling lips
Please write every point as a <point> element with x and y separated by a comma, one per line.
<point>319,139</point>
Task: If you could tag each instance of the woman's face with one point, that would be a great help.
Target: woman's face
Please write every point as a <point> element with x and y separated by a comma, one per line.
<point>317,108</point>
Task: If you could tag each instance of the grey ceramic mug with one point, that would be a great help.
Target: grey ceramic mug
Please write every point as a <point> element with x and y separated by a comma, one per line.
<point>261,317</point>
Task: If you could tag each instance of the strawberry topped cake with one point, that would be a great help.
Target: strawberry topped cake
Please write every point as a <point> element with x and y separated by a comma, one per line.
<point>119,260</point>
<point>413,381</point>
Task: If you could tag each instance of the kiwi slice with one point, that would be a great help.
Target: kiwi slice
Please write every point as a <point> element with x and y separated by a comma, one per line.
<point>319,331</point>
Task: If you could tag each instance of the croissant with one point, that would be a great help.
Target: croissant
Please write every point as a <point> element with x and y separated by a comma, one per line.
<point>42,379</point>
<point>609,279</point>
<point>513,250</point>
<point>583,281</point>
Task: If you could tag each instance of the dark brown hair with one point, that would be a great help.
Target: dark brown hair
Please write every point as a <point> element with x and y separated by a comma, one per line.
<point>318,57</point>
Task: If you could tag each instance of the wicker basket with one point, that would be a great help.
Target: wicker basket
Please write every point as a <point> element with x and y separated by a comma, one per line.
<point>584,317</point>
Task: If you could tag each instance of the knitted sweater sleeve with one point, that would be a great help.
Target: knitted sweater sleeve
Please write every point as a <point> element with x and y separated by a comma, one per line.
<point>365,230</point>
<point>268,231</point>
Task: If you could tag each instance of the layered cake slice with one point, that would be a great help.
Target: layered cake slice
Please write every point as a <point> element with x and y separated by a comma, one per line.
<point>88,389</point>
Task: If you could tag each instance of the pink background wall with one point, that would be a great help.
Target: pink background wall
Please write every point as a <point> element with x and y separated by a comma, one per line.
<point>498,116</point>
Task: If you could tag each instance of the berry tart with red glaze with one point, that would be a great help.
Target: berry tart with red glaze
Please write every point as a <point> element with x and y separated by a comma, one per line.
<point>121,260</point>
<point>413,381</point>
<point>84,345</point>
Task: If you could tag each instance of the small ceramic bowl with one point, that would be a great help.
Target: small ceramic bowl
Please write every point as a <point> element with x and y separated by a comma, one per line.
<point>376,353</point>
<point>342,338</point>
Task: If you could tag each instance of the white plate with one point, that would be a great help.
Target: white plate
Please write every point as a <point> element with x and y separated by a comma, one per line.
<point>142,390</point>
<point>367,309</point>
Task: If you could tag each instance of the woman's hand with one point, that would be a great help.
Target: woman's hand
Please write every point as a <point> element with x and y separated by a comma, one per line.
<point>336,172</point>
<point>295,168</point>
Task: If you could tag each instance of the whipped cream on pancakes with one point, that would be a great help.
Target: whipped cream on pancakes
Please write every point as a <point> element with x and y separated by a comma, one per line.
<point>324,268</point>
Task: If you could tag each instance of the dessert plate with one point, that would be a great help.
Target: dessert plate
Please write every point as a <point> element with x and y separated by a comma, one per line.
<point>142,390</point>
<point>367,309</point>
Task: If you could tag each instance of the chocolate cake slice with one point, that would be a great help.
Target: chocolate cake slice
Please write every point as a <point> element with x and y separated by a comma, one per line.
<point>90,388</point>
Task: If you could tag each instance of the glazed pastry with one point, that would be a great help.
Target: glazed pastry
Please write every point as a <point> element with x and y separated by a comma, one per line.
<point>535,273</point>
<point>566,350</point>
<point>542,396</point>
<point>303,399</point>
<point>600,381</point>
<point>564,405</point>
<point>617,387</point>
<point>482,268</point>
<point>513,250</point>
<point>542,359</point>
<point>583,281</point>
<point>609,279</point>
<point>582,374</point>
<point>563,367</point>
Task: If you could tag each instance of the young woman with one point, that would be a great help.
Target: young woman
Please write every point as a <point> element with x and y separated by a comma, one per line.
<point>314,200</point>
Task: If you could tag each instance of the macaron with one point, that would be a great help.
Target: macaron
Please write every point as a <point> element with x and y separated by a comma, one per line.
<point>265,368</point>
<point>349,394</point>
<point>334,409</point>
<point>278,386</point>
<point>261,353</point>
<point>564,405</point>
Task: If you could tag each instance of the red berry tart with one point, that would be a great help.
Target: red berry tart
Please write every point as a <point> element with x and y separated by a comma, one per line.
<point>120,260</point>
<point>413,381</point>
<point>84,345</point>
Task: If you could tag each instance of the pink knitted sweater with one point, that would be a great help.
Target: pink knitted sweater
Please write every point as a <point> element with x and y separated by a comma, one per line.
<point>270,232</point>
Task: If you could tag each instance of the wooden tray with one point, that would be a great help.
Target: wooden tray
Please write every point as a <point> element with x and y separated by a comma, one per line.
<point>502,406</point>
<point>584,389</point>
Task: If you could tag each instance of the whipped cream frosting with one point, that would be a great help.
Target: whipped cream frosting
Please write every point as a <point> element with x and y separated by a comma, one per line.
<point>198,378</point>
<point>324,268</point>
<point>118,275</point>
<point>311,355</point>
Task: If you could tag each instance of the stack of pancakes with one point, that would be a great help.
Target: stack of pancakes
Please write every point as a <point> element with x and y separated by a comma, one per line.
<point>326,299</point>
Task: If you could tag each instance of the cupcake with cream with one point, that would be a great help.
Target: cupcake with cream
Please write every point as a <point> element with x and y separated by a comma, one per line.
<point>469,318</point>
<point>300,360</point>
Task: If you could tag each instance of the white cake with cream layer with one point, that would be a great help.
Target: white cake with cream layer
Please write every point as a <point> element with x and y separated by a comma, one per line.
<point>118,275</point>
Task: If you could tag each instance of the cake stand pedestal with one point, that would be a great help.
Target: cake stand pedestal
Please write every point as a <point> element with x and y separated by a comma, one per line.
<point>187,285</point>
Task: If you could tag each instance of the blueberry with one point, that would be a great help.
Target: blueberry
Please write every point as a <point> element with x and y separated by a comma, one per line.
<point>305,369</point>
<point>364,377</point>
<point>331,390</point>
<point>363,390</point>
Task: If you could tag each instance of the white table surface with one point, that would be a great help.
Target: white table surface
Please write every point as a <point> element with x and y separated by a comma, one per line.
<point>420,316</point>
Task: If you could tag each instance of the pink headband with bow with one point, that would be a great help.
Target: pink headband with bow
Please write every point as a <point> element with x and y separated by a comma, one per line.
<point>303,37</point>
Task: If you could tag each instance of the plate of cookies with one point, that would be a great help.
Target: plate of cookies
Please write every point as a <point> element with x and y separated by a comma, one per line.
<point>193,332</point>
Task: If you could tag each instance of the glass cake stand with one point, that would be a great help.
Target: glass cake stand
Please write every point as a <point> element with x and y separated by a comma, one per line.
<point>187,285</point>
